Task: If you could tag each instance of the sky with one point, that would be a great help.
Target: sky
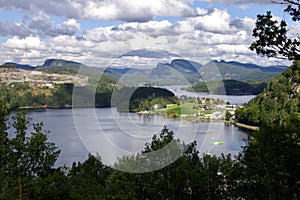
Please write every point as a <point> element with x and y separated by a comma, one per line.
<point>98,32</point>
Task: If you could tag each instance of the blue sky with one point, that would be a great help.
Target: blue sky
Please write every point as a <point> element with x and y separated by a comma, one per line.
<point>95,32</point>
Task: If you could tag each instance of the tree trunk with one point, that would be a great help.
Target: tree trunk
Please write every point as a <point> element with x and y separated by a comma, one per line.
<point>20,188</point>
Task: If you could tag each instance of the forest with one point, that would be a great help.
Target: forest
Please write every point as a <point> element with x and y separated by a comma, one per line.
<point>232,87</point>
<point>27,168</point>
<point>22,95</point>
<point>278,104</point>
<point>142,98</point>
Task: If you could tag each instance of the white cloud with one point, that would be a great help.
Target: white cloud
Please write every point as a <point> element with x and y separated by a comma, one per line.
<point>8,28</point>
<point>40,25</point>
<point>216,21</point>
<point>43,25</point>
<point>125,10</point>
<point>233,2</point>
<point>212,35</point>
<point>24,43</point>
<point>71,24</point>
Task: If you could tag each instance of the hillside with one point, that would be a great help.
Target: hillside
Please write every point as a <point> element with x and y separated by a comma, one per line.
<point>131,99</point>
<point>278,104</point>
<point>180,71</point>
<point>19,66</point>
<point>243,72</point>
<point>232,87</point>
<point>59,63</point>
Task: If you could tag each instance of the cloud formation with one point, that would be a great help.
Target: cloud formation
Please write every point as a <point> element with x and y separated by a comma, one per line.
<point>8,28</point>
<point>234,2</point>
<point>203,35</point>
<point>43,25</point>
<point>40,25</point>
<point>128,10</point>
<point>199,38</point>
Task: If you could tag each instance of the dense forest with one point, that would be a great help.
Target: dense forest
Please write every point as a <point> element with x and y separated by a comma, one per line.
<point>22,95</point>
<point>131,99</point>
<point>278,104</point>
<point>232,87</point>
<point>27,168</point>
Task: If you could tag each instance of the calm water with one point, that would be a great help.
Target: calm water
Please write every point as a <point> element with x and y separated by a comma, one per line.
<point>112,134</point>
<point>233,99</point>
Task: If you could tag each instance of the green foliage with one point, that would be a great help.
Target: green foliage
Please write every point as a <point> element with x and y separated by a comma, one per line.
<point>17,95</point>
<point>143,98</point>
<point>189,177</point>
<point>232,87</point>
<point>272,39</point>
<point>268,168</point>
<point>228,115</point>
<point>88,180</point>
<point>26,159</point>
<point>273,159</point>
<point>279,101</point>
<point>58,70</point>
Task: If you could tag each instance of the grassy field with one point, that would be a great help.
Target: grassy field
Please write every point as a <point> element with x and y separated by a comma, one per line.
<point>182,109</point>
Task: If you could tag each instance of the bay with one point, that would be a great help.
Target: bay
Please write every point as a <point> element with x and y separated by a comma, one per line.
<point>127,133</point>
<point>233,99</point>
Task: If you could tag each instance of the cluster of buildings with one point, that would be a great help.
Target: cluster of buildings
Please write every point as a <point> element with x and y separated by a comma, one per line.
<point>208,109</point>
<point>39,78</point>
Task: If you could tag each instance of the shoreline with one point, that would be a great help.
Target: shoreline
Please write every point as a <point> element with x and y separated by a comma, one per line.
<point>240,125</point>
<point>248,127</point>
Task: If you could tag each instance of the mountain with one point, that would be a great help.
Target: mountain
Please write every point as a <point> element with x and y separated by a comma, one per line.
<point>59,63</point>
<point>20,66</point>
<point>146,53</point>
<point>279,103</point>
<point>71,67</point>
<point>180,71</point>
<point>185,65</point>
<point>243,72</point>
<point>279,68</point>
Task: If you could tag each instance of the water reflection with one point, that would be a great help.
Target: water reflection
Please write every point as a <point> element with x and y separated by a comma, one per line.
<point>130,132</point>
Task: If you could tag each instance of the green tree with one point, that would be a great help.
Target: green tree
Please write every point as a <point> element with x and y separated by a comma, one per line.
<point>272,36</point>
<point>272,161</point>
<point>27,158</point>
<point>87,180</point>
<point>228,115</point>
<point>189,177</point>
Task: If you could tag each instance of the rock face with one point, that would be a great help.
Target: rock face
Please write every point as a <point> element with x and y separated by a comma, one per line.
<point>59,63</point>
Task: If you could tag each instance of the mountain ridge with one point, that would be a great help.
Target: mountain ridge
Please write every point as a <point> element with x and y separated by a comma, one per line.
<point>176,71</point>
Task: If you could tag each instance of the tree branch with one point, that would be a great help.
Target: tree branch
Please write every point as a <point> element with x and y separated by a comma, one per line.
<point>287,2</point>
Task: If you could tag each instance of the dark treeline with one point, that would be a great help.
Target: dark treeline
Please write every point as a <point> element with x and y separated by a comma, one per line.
<point>267,168</point>
<point>18,95</point>
<point>231,87</point>
<point>134,99</point>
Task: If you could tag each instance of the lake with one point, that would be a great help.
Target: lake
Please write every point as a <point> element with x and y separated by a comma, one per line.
<point>233,99</point>
<point>110,134</point>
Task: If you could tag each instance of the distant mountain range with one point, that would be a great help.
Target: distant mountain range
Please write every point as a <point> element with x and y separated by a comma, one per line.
<point>179,71</point>
<point>16,65</point>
